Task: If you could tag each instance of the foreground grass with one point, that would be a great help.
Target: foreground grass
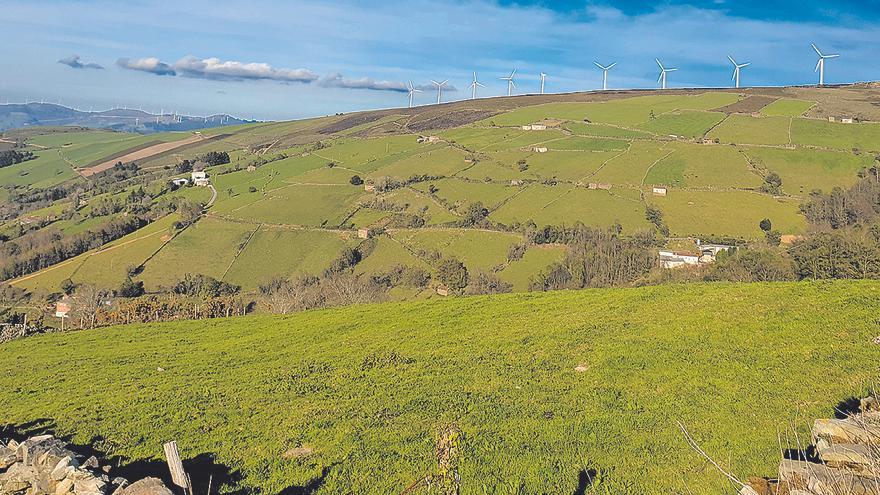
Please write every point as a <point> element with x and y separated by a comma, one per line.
<point>367,387</point>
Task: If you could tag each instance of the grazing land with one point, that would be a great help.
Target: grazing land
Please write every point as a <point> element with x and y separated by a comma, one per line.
<point>296,192</point>
<point>548,390</point>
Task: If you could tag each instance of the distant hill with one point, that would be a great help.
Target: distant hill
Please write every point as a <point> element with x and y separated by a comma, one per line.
<point>126,120</point>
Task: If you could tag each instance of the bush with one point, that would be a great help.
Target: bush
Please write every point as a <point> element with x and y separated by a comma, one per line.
<point>252,189</point>
<point>356,180</point>
<point>765,225</point>
<point>130,288</point>
<point>453,274</point>
<point>203,286</point>
<point>485,283</point>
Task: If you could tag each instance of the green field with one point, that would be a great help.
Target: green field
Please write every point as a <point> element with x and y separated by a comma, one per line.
<point>707,213</point>
<point>368,387</point>
<point>701,166</point>
<point>301,191</point>
<point>803,171</point>
<point>744,129</point>
<point>785,107</point>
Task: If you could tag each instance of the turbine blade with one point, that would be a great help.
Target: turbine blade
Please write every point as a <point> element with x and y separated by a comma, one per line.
<point>480,85</point>
<point>658,63</point>
<point>818,64</point>
<point>661,76</point>
<point>832,56</point>
<point>731,60</point>
<point>817,50</point>
<point>671,70</point>
<point>444,82</point>
<point>745,65</point>
<point>735,72</point>
<point>610,66</point>
<point>599,65</point>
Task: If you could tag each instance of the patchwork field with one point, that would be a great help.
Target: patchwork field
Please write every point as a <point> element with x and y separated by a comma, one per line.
<point>290,193</point>
<point>547,390</point>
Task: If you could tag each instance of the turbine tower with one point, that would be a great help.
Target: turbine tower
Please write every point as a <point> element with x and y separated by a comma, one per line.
<point>543,77</point>
<point>412,90</point>
<point>736,69</point>
<point>663,71</point>
<point>605,74</point>
<point>510,83</point>
<point>439,88</point>
<point>474,86</point>
<point>820,65</point>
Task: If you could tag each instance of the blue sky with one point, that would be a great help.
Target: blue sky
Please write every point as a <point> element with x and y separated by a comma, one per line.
<point>275,60</point>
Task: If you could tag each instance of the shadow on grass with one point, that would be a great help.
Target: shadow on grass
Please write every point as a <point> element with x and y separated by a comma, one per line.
<point>586,478</point>
<point>203,469</point>
<point>310,487</point>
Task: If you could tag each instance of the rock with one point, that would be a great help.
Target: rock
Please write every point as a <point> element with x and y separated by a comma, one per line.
<point>581,368</point>
<point>146,486</point>
<point>299,452</point>
<point>59,472</point>
<point>64,486</point>
<point>7,457</point>
<point>119,481</point>
<point>89,486</point>
<point>91,462</point>
<point>18,478</point>
<point>106,469</point>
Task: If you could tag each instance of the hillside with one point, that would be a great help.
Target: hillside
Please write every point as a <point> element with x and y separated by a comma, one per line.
<point>289,194</point>
<point>543,387</point>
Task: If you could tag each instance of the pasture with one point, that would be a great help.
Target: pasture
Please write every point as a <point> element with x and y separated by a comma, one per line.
<point>543,388</point>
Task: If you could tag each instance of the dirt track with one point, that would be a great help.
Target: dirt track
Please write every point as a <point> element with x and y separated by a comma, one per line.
<point>141,154</point>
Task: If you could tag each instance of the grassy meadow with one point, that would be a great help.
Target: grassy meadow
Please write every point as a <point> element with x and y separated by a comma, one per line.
<point>543,387</point>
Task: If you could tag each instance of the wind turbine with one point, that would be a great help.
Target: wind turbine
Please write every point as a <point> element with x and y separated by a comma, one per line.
<point>439,88</point>
<point>412,91</point>
<point>543,77</point>
<point>510,83</point>
<point>736,68</point>
<point>663,71</point>
<point>820,65</point>
<point>605,73</point>
<point>473,87</point>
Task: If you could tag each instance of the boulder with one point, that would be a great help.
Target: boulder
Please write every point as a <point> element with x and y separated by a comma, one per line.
<point>7,457</point>
<point>64,486</point>
<point>59,472</point>
<point>18,478</point>
<point>88,485</point>
<point>147,486</point>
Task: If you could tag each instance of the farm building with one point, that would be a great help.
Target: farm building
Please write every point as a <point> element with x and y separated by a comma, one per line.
<point>832,119</point>
<point>180,182</point>
<point>429,139</point>
<point>714,249</point>
<point>659,190</point>
<point>534,127</point>
<point>200,178</point>
<point>365,233</point>
<point>599,185</point>
<point>676,259</point>
<point>62,307</point>
<point>516,182</point>
<point>540,149</point>
<point>251,168</point>
<point>846,120</point>
<point>442,290</point>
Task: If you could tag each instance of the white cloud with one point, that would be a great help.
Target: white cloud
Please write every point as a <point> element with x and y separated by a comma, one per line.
<point>214,68</point>
<point>150,64</point>
<point>75,62</point>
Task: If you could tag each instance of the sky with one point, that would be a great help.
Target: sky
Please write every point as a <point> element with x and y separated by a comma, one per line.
<point>271,60</point>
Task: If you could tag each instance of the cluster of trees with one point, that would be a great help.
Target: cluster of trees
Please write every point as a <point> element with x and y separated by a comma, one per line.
<point>13,157</point>
<point>845,207</point>
<point>214,158</point>
<point>597,258</point>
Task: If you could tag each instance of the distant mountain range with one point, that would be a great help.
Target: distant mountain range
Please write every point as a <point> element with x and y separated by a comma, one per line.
<point>14,116</point>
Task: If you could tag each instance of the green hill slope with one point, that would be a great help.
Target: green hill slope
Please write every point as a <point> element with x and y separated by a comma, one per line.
<point>367,387</point>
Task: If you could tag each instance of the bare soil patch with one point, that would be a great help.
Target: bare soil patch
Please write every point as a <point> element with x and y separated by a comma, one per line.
<point>139,153</point>
<point>749,104</point>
